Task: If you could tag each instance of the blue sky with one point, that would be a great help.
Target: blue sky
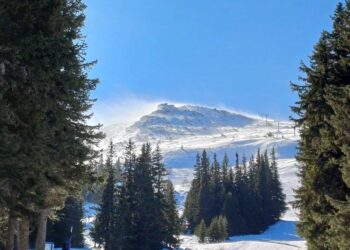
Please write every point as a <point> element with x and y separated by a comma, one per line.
<point>238,54</point>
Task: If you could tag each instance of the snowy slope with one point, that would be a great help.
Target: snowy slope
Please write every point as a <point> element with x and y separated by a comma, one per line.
<point>183,131</point>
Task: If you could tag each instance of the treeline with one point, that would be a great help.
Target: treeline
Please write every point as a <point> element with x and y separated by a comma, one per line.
<point>248,198</point>
<point>46,144</point>
<point>323,114</point>
<point>138,207</point>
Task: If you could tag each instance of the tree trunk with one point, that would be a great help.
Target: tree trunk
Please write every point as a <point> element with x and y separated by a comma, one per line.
<point>41,227</point>
<point>17,236</point>
<point>11,228</point>
<point>24,235</point>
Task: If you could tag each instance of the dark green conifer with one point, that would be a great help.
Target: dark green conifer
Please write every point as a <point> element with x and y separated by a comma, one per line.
<point>191,211</point>
<point>278,204</point>
<point>217,231</point>
<point>172,222</point>
<point>251,201</point>
<point>68,226</point>
<point>48,90</point>
<point>201,231</point>
<point>321,111</point>
<point>216,189</point>
<point>102,232</point>
<point>225,171</point>
<point>204,191</point>
<point>313,110</point>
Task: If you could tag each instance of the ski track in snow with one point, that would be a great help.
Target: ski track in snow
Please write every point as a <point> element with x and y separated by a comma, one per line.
<point>182,132</point>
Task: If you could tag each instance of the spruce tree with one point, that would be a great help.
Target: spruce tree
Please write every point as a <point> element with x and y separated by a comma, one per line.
<point>231,210</point>
<point>251,201</point>
<point>338,96</point>
<point>201,231</point>
<point>191,211</point>
<point>322,108</point>
<point>158,170</point>
<point>69,218</point>
<point>216,189</point>
<point>213,231</point>
<point>217,231</point>
<point>47,88</point>
<point>204,191</point>
<point>225,171</point>
<point>103,225</point>
<point>278,205</point>
<point>148,231</point>
<point>126,206</point>
<point>145,215</point>
<point>172,223</point>
<point>223,228</point>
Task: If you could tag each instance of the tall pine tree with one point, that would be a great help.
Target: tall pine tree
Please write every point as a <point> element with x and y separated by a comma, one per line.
<point>102,232</point>
<point>46,102</point>
<point>172,222</point>
<point>69,218</point>
<point>322,110</point>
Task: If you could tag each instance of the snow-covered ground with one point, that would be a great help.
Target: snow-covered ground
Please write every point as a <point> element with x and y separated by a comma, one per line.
<point>183,131</point>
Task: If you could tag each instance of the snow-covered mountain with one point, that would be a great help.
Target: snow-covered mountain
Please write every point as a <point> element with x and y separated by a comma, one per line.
<point>169,121</point>
<point>183,131</point>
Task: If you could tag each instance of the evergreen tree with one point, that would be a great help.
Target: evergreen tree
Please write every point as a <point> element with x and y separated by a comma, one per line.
<point>217,231</point>
<point>223,228</point>
<point>322,109</point>
<point>103,225</point>
<point>145,215</point>
<point>278,205</point>
<point>225,171</point>
<point>158,171</point>
<point>92,192</point>
<point>173,225</point>
<point>252,206</point>
<point>338,96</point>
<point>237,196</point>
<point>214,230</point>
<point>126,206</point>
<point>313,110</point>
<point>216,189</point>
<point>191,211</point>
<point>231,210</point>
<point>148,230</point>
<point>69,218</point>
<point>46,85</point>
<point>204,191</point>
<point>201,231</point>
<point>251,201</point>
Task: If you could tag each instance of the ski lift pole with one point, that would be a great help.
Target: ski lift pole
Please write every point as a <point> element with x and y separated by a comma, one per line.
<point>70,238</point>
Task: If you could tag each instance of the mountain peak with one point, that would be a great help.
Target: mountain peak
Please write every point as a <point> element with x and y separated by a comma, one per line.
<point>172,121</point>
<point>165,106</point>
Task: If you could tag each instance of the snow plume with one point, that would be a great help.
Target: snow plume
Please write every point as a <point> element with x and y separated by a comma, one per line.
<point>129,108</point>
<point>126,109</point>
